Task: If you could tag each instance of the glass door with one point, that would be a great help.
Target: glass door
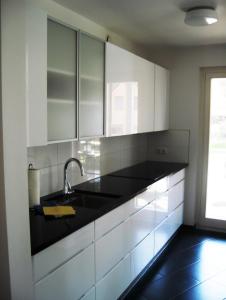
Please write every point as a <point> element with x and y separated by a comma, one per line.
<point>61,82</point>
<point>213,214</point>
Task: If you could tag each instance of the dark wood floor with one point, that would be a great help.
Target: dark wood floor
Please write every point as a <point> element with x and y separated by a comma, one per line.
<point>194,268</point>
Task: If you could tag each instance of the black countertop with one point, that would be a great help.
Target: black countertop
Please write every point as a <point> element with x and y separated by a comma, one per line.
<point>114,189</point>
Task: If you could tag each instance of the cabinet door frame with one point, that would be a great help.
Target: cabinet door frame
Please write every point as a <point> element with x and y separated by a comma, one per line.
<point>79,84</point>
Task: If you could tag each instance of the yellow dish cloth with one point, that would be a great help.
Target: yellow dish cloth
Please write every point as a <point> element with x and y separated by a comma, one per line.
<point>58,211</point>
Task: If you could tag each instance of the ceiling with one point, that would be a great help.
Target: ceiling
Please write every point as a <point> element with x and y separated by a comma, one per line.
<point>153,22</point>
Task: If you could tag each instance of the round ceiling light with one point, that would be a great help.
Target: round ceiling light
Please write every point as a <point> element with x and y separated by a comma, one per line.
<point>201,16</point>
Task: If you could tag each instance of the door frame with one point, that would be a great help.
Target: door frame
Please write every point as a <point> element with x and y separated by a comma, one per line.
<point>201,221</point>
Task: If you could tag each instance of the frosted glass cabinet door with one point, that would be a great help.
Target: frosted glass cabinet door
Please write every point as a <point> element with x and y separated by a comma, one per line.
<point>61,82</point>
<point>91,86</point>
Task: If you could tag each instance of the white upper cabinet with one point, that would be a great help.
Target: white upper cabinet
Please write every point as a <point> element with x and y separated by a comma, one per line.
<point>129,92</point>
<point>91,86</point>
<point>161,99</point>
<point>36,77</point>
<point>61,82</point>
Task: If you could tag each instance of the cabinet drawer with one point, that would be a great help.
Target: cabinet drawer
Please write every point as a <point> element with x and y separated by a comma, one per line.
<point>141,224</point>
<point>90,295</point>
<point>50,258</point>
<point>161,186</point>
<point>176,195</point>
<point>111,248</point>
<point>164,232</point>
<point>70,281</point>
<point>141,200</point>
<point>115,282</point>
<point>176,177</point>
<point>109,221</point>
<point>161,208</point>
<point>142,255</point>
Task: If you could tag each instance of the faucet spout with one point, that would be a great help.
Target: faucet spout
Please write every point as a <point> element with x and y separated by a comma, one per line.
<point>67,186</point>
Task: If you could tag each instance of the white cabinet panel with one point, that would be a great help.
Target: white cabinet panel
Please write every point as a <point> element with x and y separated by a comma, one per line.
<point>53,256</point>
<point>109,221</point>
<point>142,255</point>
<point>115,282</point>
<point>140,200</point>
<point>141,224</point>
<point>162,235</point>
<point>161,99</point>
<point>161,208</point>
<point>129,92</point>
<point>70,281</point>
<point>176,218</point>
<point>161,186</point>
<point>176,177</point>
<point>90,295</point>
<point>36,77</point>
<point>111,248</point>
<point>164,232</point>
<point>176,195</point>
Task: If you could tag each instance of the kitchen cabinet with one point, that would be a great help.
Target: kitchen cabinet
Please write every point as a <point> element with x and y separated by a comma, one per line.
<point>36,77</point>
<point>167,228</point>
<point>91,86</point>
<point>71,280</point>
<point>129,92</point>
<point>65,82</point>
<point>52,257</point>
<point>61,82</point>
<point>100,260</point>
<point>115,282</point>
<point>142,255</point>
<point>161,99</point>
<point>111,248</point>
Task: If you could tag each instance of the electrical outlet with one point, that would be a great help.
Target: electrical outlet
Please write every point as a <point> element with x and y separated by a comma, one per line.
<point>162,150</point>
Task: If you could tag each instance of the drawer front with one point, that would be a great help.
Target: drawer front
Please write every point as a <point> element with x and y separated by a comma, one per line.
<point>176,195</point>
<point>161,186</point>
<point>111,248</point>
<point>176,218</point>
<point>109,221</point>
<point>141,224</point>
<point>161,208</point>
<point>176,177</point>
<point>115,282</point>
<point>90,295</point>
<point>164,232</point>
<point>162,235</point>
<point>50,258</point>
<point>140,200</point>
<point>142,255</point>
<point>70,281</point>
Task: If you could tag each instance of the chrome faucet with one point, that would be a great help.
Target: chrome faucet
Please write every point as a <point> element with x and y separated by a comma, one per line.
<point>67,185</point>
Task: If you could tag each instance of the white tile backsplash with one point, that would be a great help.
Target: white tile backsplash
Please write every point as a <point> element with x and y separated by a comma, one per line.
<point>101,156</point>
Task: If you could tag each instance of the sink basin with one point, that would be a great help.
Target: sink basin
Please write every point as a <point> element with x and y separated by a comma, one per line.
<point>82,199</point>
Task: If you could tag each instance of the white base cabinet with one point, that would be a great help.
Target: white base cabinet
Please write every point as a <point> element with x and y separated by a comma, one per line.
<point>100,260</point>
<point>71,280</point>
<point>142,255</point>
<point>115,282</point>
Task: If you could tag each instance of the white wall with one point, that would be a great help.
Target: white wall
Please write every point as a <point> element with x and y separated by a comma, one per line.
<point>13,68</point>
<point>185,66</point>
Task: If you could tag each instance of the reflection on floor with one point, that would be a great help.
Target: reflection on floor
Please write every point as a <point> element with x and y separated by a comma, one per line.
<point>193,269</point>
